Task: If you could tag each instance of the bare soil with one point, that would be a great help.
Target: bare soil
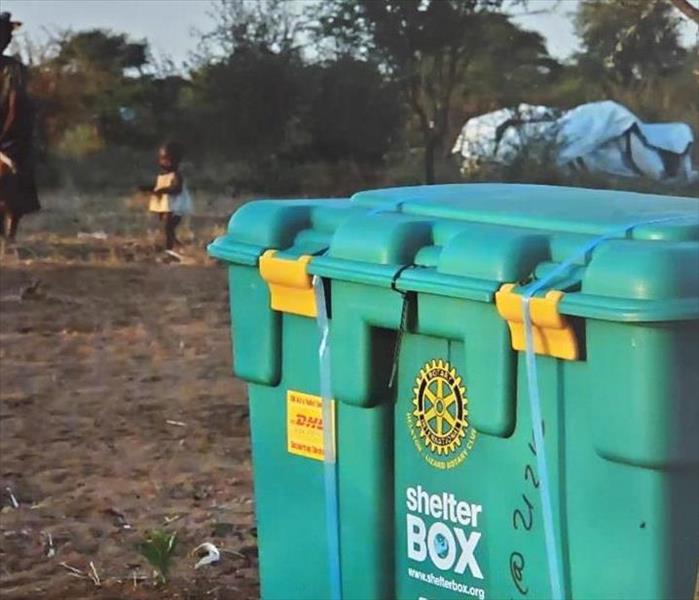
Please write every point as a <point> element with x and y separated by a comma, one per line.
<point>119,414</point>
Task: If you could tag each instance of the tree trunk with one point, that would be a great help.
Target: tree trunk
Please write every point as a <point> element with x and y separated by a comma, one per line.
<point>430,151</point>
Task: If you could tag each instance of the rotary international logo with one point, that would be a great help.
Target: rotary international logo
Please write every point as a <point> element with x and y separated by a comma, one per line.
<point>439,420</point>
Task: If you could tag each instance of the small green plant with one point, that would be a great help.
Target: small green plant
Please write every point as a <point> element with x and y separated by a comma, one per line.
<point>158,549</point>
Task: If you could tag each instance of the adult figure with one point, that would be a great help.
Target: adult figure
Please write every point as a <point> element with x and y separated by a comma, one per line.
<point>18,195</point>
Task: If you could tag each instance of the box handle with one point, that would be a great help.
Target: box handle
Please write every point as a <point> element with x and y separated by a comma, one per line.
<point>290,285</point>
<point>552,333</point>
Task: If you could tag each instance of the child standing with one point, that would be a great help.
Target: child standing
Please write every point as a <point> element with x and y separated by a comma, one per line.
<point>170,198</point>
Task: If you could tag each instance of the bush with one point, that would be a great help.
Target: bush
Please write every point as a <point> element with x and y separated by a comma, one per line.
<point>80,141</point>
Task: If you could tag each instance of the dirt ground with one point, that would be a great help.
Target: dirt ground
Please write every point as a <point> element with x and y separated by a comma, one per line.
<point>118,415</point>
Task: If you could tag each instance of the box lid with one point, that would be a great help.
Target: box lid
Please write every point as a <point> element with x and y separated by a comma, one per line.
<point>466,240</point>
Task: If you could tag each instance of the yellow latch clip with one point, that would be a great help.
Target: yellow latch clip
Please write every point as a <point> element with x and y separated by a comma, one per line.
<point>552,333</point>
<point>290,286</point>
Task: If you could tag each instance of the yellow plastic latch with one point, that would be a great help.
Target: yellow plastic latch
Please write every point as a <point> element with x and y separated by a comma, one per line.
<point>290,286</point>
<point>553,335</point>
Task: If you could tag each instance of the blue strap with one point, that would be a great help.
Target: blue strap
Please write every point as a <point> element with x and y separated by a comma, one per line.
<point>332,516</point>
<point>552,549</point>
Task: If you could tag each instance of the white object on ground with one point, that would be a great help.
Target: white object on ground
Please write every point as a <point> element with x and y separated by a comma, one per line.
<point>51,550</point>
<point>73,571</point>
<point>212,554</point>
<point>94,575</point>
<point>172,254</point>
<point>601,137</point>
<point>96,235</point>
<point>13,500</point>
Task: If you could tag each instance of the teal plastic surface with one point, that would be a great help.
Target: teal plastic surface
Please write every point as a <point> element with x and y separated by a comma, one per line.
<point>410,279</point>
<point>464,241</point>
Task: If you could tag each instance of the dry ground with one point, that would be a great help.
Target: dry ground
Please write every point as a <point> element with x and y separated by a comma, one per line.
<point>119,413</point>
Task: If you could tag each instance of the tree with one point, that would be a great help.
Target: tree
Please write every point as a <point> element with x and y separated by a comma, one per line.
<point>687,9</point>
<point>271,25</point>
<point>246,102</point>
<point>513,67</point>
<point>628,41</point>
<point>92,91</point>
<point>247,80</point>
<point>100,50</point>
<point>426,46</point>
<point>354,113</point>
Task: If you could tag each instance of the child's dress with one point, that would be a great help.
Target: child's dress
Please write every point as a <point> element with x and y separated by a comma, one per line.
<point>179,204</point>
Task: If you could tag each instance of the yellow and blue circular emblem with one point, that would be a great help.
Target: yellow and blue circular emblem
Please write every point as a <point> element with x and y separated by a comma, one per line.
<point>440,414</point>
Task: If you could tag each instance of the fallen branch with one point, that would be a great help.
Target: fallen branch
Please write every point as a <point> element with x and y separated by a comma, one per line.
<point>94,575</point>
<point>73,571</point>
<point>13,500</point>
<point>50,550</point>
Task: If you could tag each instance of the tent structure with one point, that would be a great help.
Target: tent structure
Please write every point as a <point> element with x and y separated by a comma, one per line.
<point>601,137</point>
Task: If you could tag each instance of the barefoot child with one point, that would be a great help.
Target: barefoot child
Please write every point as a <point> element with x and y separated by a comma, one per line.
<point>170,199</point>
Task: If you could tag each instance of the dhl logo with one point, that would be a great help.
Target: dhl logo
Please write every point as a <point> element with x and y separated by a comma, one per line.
<point>308,422</point>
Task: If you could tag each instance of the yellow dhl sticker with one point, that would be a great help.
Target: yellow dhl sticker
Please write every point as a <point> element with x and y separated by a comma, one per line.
<point>304,424</point>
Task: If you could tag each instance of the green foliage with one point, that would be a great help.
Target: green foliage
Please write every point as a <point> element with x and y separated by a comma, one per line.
<point>629,41</point>
<point>373,94</point>
<point>435,50</point>
<point>632,54</point>
<point>247,102</point>
<point>100,51</point>
<point>80,141</point>
<point>84,86</point>
<point>158,549</point>
<point>269,25</point>
<point>514,66</point>
<point>354,112</point>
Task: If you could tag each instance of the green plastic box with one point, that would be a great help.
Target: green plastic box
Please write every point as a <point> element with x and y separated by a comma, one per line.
<point>438,486</point>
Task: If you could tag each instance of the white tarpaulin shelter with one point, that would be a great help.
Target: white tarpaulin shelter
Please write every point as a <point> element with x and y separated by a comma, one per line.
<point>601,137</point>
